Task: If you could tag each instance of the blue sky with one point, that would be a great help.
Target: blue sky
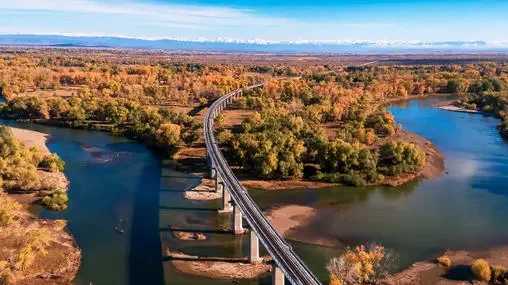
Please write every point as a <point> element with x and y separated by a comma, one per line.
<point>262,20</point>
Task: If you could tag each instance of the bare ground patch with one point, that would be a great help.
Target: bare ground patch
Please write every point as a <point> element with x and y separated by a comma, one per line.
<point>58,266</point>
<point>218,267</point>
<point>204,191</point>
<point>429,272</point>
<point>293,222</point>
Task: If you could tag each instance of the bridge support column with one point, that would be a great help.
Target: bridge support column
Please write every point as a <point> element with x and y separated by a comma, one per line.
<point>237,221</point>
<point>219,185</point>
<point>226,200</point>
<point>213,174</point>
<point>254,247</point>
<point>277,276</point>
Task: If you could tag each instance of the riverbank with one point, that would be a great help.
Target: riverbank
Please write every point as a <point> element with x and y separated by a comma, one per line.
<point>434,166</point>
<point>434,159</point>
<point>58,266</point>
<point>430,272</point>
<point>57,258</point>
<point>56,180</point>
<point>293,222</point>
<point>454,108</point>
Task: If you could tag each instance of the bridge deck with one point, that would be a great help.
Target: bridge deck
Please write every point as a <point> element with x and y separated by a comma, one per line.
<point>282,253</point>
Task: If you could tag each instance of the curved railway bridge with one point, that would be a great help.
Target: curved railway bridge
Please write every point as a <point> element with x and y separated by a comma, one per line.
<point>287,265</point>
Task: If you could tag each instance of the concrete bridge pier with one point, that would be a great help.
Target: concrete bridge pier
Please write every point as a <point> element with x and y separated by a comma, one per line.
<point>237,221</point>
<point>254,247</point>
<point>226,201</point>
<point>213,174</point>
<point>277,276</point>
<point>209,160</point>
<point>219,184</point>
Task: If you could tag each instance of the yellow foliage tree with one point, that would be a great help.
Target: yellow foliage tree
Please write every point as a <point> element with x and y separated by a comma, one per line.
<point>8,210</point>
<point>34,244</point>
<point>363,264</point>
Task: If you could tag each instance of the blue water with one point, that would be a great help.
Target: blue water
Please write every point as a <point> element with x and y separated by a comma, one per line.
<point>114,178</point>
<point>465,208</point>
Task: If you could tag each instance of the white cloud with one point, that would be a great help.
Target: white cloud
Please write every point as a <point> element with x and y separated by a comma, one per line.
<point>170,13</point>
<point>195,17</point>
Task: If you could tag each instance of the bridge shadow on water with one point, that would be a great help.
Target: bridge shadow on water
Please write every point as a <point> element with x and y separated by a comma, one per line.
<point>159,210</point>
<point>145,266</point>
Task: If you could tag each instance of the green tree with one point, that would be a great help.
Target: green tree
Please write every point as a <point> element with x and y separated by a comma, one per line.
<point>168,137</point>
<point>53,163</point>
<point>398,157</point>
<point>56,201</point>
<point>339,156</point>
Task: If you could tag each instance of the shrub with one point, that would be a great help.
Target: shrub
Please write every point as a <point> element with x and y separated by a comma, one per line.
<point>4,272</point>
<point>8,210</point>
<point>56,201</point>
<point>53,163</point>
<point>444,260</point>
<point>224,137</point>
<point>203,101</point>
<point>499,273</point>
<point>398,157</point>
<point>334,280</point>
<point>35,243</point>
<point>365,264</point>
<point>481,269</point>
<point>351,179</point>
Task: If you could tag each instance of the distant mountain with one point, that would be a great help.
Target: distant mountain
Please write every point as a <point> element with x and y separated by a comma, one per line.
<point>228,45</point>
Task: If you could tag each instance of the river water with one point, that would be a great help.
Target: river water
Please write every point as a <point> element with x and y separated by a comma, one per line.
<point>465,208</point>
<point>113,179</point>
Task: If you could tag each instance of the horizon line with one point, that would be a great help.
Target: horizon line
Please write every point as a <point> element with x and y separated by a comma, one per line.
<point>469,44</point>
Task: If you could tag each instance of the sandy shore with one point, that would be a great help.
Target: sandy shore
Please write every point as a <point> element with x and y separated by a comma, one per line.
<point>217,267</point>
<point>204,191</point>
<point>458,109</point>
<point>38,140</point>
<point>271,185</point>
<point>429,272</point>
<point>293,222</point>
<point>31,139</point>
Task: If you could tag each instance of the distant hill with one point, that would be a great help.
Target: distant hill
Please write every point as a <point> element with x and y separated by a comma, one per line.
<point>231,46</point>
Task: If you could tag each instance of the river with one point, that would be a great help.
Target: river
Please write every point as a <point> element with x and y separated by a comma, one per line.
<point>114,178</point>
<point>464,208</point>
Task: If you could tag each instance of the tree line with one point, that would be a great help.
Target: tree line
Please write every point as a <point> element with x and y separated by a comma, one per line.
<point>277,144</point>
